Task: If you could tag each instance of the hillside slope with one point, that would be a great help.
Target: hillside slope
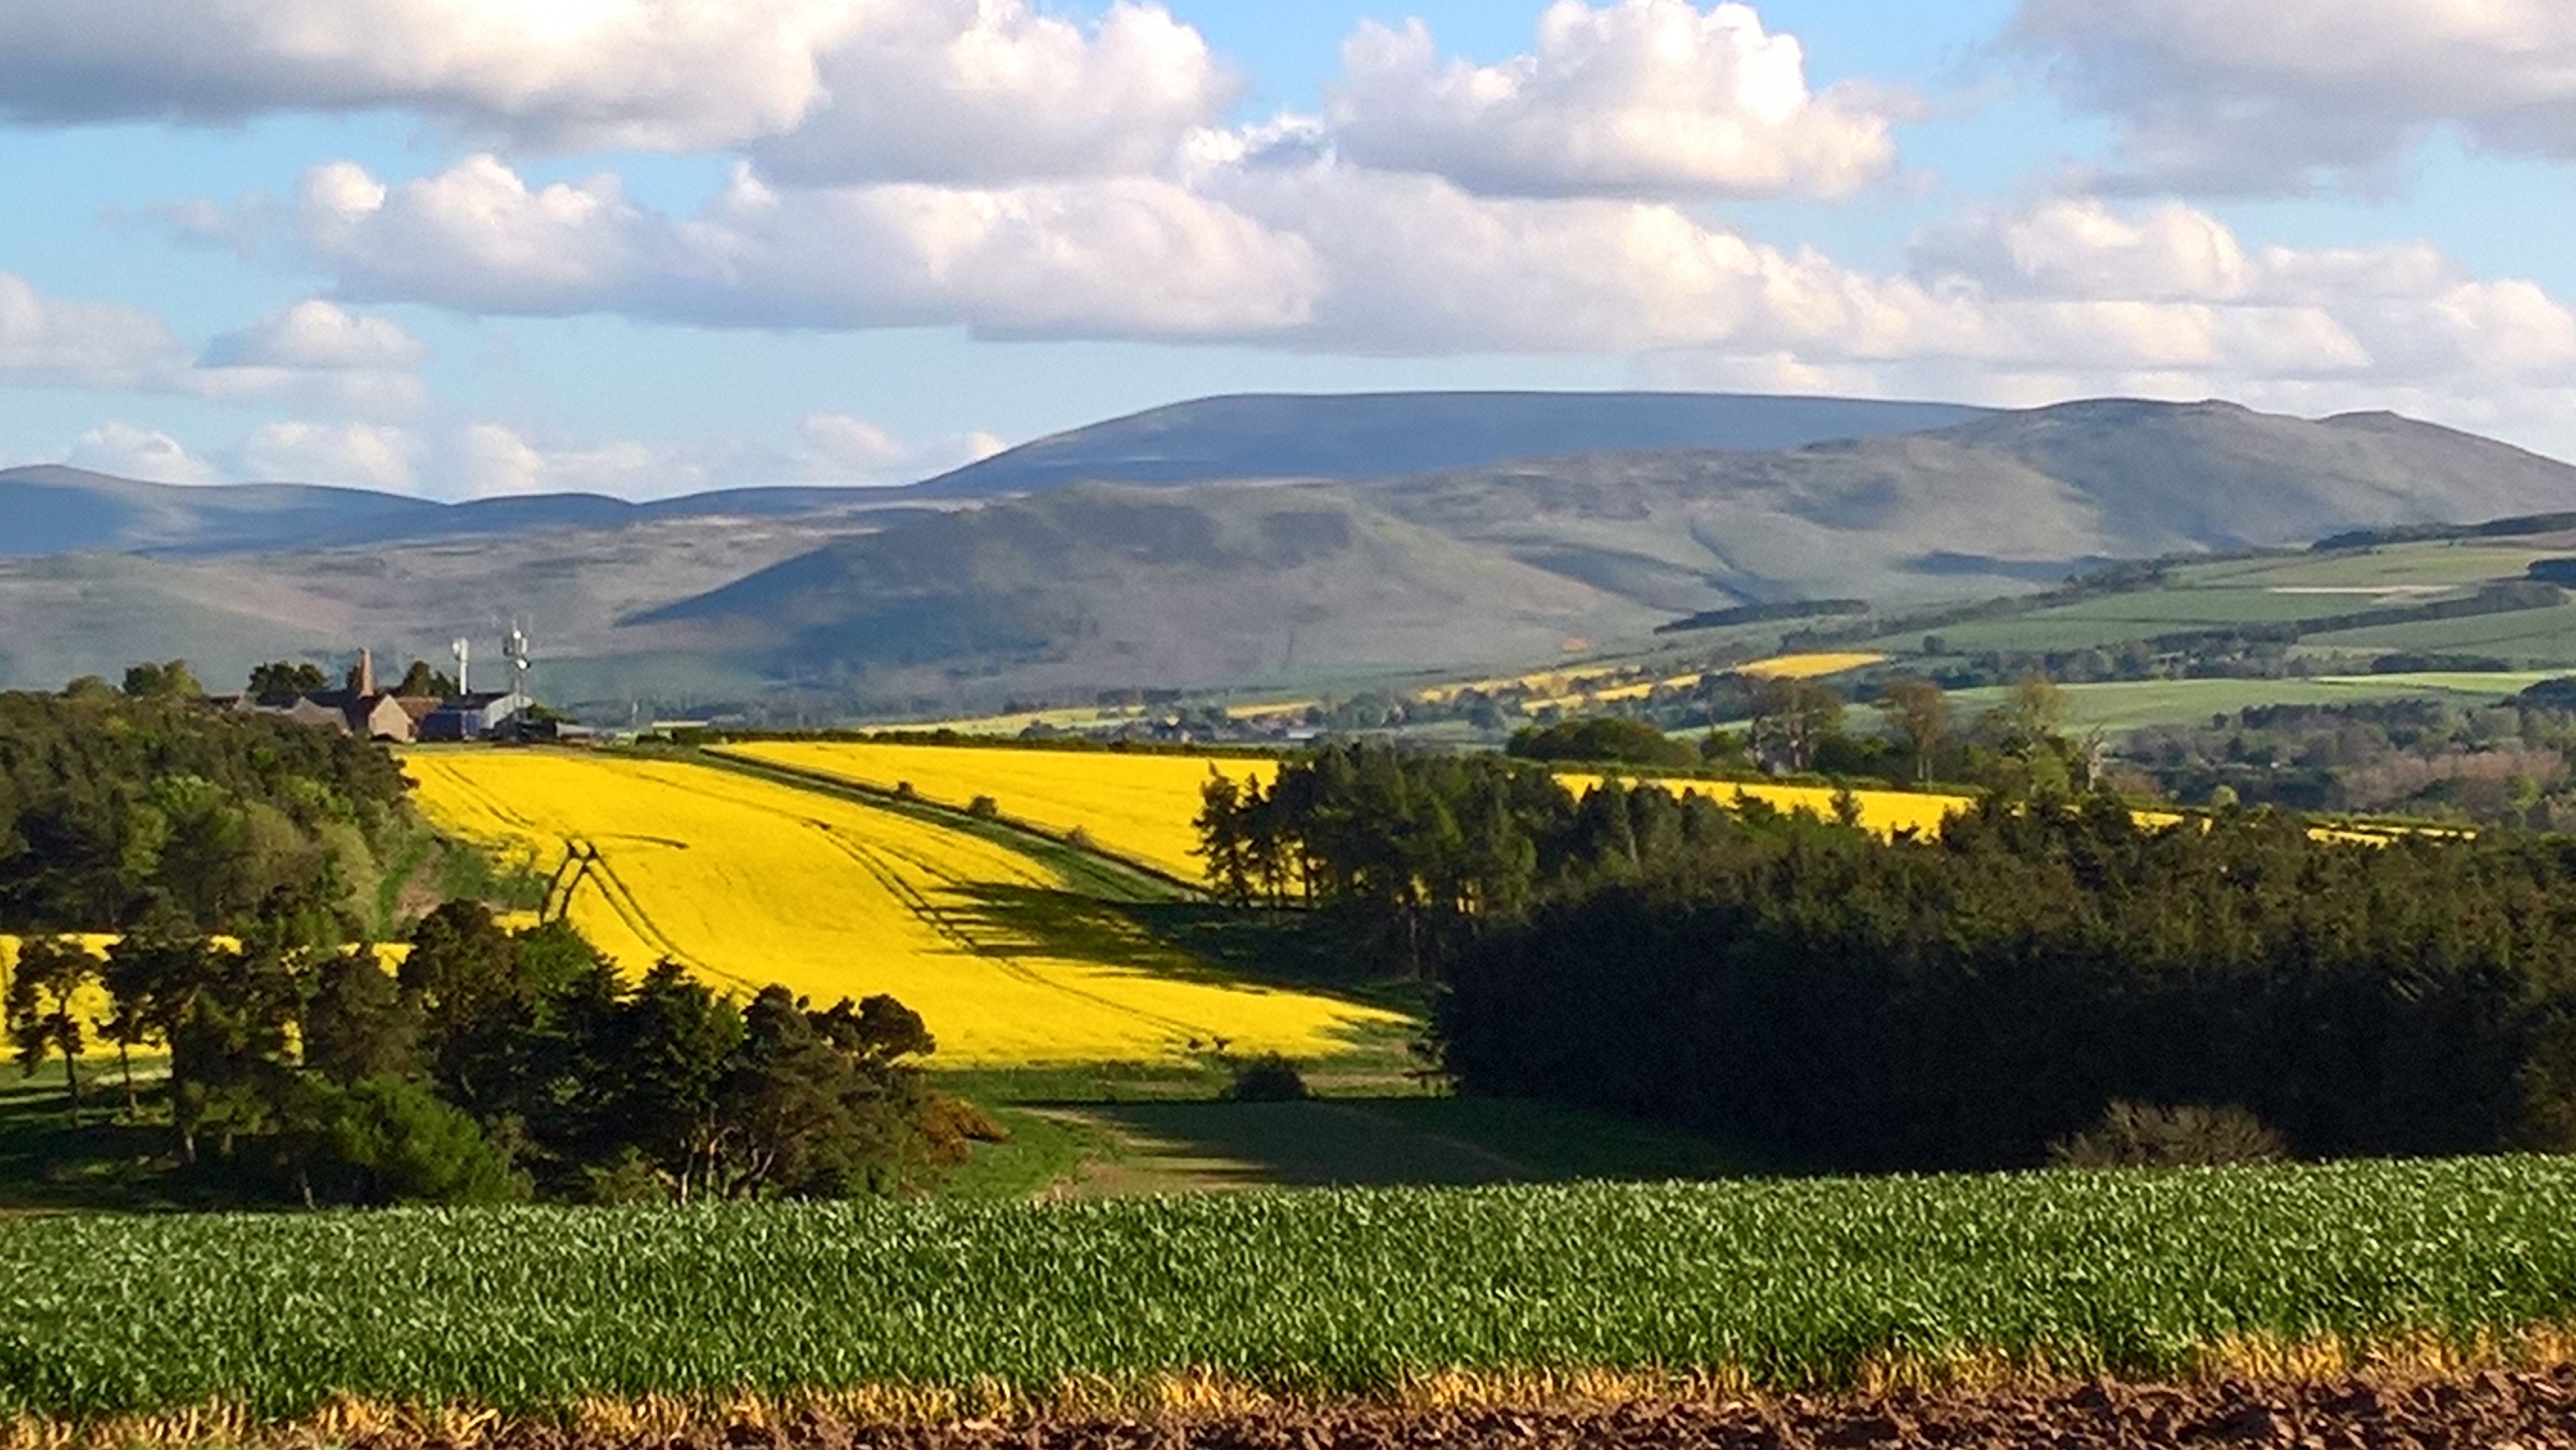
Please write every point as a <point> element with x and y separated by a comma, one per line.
<point>1225,584</point>
<point>1283,586</point>
<point>1122,585</point>
<point>1377,435</point>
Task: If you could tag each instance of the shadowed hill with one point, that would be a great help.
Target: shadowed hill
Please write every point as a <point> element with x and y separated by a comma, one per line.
<point>50,509</point>
<point>1375,435</point>
<point>1120,584</point>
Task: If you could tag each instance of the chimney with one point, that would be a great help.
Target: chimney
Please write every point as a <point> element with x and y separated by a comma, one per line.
<point>366,673</point>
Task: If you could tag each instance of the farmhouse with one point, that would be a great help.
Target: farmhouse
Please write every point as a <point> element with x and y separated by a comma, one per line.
<point>366,711</point>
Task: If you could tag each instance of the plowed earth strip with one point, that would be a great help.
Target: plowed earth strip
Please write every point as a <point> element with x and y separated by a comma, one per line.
<point>2489,1411</point>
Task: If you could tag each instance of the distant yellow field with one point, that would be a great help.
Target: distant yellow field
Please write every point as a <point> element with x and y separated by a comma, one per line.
<point>1605,693</point>
<point>747,882</point>
<point>1265,709</point>
<point>1139,806</point>
<point>1807,667</point>
<point>1882,811</point>
<point>1071,717</point>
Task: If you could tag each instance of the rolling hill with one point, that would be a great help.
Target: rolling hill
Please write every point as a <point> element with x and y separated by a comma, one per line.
<point>1208,585</point>
<point>842,595</point>
<point>51,509</point>
<point>1375,435</point>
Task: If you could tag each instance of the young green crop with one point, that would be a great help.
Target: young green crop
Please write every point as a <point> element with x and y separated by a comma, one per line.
<point>1785,1282</point>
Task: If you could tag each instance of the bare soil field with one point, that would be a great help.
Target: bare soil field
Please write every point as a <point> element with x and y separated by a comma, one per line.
<point>2491,1411</point>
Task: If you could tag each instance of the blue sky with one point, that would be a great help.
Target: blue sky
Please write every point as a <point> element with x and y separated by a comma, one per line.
<point>466,247</point>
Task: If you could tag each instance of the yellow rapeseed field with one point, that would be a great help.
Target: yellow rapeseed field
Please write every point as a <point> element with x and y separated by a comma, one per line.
<point>1610,693</point>
<point>1806,667</point>
<point>747,882</point>
<point>91,1003</point>
<point>1883,811</point>
<point>1138,806</point>
<point>1142,806</point>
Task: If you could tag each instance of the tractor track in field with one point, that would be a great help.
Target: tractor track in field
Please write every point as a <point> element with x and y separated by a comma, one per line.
<point>2490,1411</point>
<point>871,859</point>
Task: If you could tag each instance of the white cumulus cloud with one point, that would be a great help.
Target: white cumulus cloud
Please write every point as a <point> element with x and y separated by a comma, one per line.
<point>317,335</point>
<point>651,73</point>
<point>1633,97</point>
<point>972,90</point>
<point>127,451</point>
<point>48,342</point>
<point>352,455</point>
<point>1128,256</point>
<point>2292,95</point>
<point>993,91</point>
<point>841,448</point>
<point>316,352</point>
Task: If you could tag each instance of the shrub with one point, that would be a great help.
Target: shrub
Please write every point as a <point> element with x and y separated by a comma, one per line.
<point>1269,1078</point>
<point>2143,1135</point>
<point>984,808</point>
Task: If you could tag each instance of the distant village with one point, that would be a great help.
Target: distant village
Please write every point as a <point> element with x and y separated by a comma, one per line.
<point>423,706</point>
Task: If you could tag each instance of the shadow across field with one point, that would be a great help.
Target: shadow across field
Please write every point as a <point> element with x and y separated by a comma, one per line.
<point>1185,940</point>
<point>108,1164</point>
<point>1371,1142</point>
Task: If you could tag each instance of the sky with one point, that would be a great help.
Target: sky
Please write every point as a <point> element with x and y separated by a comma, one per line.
<point>465,248</point>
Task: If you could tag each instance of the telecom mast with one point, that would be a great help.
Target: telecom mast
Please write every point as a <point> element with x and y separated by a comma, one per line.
<point>464,652</point>
<point>515,650</point>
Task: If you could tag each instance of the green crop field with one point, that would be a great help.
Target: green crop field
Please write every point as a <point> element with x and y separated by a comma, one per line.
<point>2530,636</point>
<point>2131,704</point>
<point>1780,1283</point>
<point>2274,589</point>
<point>2393,566</point>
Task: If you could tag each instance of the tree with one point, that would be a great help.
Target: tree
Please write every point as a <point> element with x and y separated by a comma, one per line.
<point>1795,716</point>
<point>672,1040</point>
<point>798,1113</point>
<point>2037,708</point>
<point>819,1104</point>
<point>171,680</point>
<point>387,1140</point>
<point>360,1024</point>
<point>1222,838</point>
<point>1919,712</point>
<point>44,1010</point>
<point>149,975</point>
<point>1610,738</point>
<point>229,1040</point>
<point>279,679</point>
<point>421,682</point>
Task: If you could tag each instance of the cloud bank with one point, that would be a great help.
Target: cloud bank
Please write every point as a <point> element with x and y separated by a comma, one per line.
<point>2298,95</point>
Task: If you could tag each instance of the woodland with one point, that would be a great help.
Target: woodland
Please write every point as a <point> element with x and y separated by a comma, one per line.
<point>1839,1001</point>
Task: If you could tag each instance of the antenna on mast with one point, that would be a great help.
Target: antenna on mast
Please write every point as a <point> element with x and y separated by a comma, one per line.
<point>515,650</point>
<point>464,652</point>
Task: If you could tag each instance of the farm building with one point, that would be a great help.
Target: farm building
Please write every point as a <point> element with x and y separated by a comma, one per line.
<point>474,717</point>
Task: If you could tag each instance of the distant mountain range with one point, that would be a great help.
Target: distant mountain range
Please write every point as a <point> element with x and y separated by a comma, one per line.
<point>1134,553</point>
<point>55,510</point>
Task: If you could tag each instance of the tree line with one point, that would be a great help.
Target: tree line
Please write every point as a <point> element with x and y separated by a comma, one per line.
<point>1837,1000</point>
<point>488,1066</point>
<point>120,810</point>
